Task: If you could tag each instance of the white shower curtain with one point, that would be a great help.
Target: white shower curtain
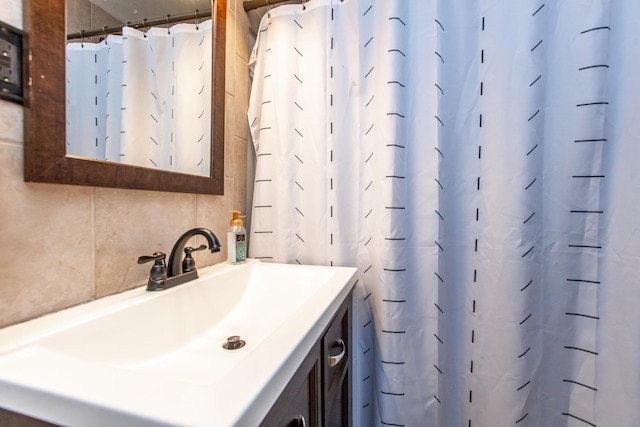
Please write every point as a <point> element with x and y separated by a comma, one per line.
<point>478,163</point>
<point>143,98</point>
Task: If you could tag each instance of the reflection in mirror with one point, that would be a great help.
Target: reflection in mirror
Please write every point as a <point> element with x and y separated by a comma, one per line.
<point>140,96</point>
<point>45,147</point>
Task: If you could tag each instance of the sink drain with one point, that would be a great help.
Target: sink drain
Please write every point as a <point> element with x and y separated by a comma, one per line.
<point>233,343</point>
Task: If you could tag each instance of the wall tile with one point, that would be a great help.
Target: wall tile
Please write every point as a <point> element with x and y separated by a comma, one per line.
<point>132,223</point>
<point>11,118</point>
<point>229,129</point>
<point>240,172</point>
<point>46,249</point>
<point>230,53</point>
<point>100,18</point>
<point>241,99</point>
<point>78,15</point>
<point>242,43</point>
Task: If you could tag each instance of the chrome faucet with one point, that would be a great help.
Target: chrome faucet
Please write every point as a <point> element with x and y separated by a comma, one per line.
<point>179,270</point>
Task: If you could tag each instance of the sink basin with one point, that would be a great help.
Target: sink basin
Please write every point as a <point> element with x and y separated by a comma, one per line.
<point>157,358</point>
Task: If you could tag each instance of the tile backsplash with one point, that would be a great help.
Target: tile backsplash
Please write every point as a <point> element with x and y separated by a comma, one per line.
<point>64,245</point>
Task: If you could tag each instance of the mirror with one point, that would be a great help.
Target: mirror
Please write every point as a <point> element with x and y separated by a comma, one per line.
<point>140,96</point>
<point>46,159</point>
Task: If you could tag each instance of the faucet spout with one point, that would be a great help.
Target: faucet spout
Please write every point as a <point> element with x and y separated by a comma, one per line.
<point>175,261</point>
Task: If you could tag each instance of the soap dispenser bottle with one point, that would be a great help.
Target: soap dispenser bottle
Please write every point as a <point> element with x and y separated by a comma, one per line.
<point>236,241</point>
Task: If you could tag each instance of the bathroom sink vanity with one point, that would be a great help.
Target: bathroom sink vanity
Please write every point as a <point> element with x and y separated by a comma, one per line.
<point>319,392</point>
<point>157,358</point>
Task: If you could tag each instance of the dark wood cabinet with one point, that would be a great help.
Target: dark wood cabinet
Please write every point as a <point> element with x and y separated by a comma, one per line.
<point>299,403</point>
<point>336,370</point>
<point>319,393</point>
<point>13,419</point>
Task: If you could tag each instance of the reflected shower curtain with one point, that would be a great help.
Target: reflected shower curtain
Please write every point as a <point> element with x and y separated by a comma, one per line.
<point>143,98</point>
<point>478,163</point>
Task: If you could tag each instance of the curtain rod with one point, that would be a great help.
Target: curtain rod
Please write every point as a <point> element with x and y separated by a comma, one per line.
<point>254,4</point>
<point>145,23</point>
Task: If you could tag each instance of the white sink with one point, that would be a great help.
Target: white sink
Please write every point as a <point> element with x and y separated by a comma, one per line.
<point>156,358</point>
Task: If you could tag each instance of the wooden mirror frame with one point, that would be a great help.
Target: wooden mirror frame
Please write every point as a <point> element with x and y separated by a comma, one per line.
<point>45,157</point>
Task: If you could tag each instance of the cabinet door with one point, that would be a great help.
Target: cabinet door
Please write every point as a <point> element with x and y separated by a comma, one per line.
<point>299,403</point>
<point>337,368</point>
<point>13,419</point>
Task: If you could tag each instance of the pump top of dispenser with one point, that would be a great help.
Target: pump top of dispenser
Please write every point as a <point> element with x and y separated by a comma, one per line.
<point>236,219</point>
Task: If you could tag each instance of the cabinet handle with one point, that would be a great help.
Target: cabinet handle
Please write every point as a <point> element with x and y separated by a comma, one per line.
<point>334,360</point>
<point>300,421</point>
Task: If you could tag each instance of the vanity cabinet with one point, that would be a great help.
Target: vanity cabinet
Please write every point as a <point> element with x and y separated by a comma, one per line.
<point>12,419</point>
<point>76,367</point>
<point>336,369</point>
<point>319,393</point>
<point>299,403</point>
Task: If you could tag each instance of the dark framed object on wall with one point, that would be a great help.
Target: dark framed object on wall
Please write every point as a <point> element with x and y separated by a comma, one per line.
<point>45,158</point>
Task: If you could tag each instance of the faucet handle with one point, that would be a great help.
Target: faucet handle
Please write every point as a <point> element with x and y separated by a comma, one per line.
<point>156,256</point>
<point>158,272</point>
<point>188,263</point>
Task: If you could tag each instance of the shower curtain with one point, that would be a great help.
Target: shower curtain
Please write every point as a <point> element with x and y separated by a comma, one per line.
<point>478,162</point>
<point>143,98</point>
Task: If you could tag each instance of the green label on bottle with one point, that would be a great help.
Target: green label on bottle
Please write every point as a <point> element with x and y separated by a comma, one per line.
<point>241,248</point>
